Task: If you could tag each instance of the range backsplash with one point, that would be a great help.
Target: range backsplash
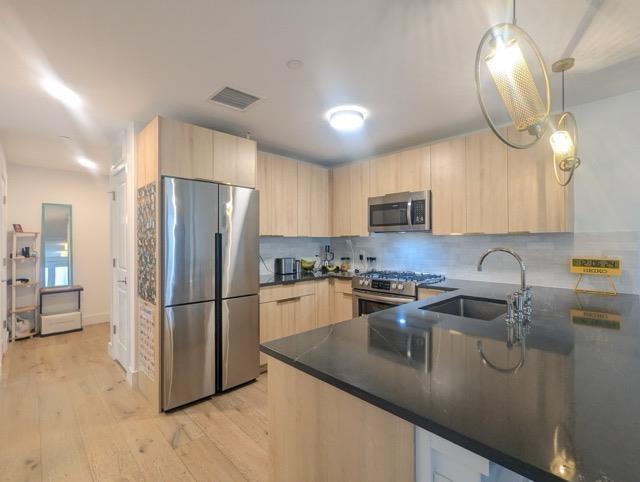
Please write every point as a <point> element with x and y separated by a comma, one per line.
<point>546,255</point>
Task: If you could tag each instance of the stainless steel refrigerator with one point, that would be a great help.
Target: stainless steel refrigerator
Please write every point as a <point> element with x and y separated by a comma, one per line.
<point>210,330</point>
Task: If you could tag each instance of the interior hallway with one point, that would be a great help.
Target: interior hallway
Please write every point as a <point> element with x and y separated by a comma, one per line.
<point>69,414</point>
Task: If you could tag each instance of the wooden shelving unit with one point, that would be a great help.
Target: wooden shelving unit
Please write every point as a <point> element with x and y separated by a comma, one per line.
<point>33,284</point>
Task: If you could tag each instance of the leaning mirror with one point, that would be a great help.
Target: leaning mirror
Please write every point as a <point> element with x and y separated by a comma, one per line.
<point>56,245</point>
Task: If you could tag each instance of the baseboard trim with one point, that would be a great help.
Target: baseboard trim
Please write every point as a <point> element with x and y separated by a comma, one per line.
<point>95,318</point>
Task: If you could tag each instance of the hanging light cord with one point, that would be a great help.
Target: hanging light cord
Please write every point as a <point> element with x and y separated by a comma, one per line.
<point>514,12</point>
<point>563,91</point>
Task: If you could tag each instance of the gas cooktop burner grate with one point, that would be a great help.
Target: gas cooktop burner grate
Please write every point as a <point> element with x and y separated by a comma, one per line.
<point>404,276</point>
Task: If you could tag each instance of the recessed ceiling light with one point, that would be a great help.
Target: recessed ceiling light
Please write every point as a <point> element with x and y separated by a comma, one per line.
<point>295,64</point>
<point>64,94</point>
<point>347,117</point>
<point>88,163</point>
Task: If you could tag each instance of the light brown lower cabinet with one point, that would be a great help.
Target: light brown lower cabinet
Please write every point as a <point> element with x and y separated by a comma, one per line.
<point>286,317</point>
<point>342,306</point>
<point>289,309</point>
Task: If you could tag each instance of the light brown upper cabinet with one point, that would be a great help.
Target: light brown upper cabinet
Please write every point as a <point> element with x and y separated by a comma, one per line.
<point>341,201</point>
<point>185,150</point>
<point>313,200</point>
<point>194,152</point>
<point>449,187</point>
<point>234,160</point>
<point>414,169</point>
<point>350,193</point>
<point>277,181</point>
<point>383,175</point>
<point>407,170</point>
<point>359,182</point>
<point>537,203</point>
<point>486,197</point>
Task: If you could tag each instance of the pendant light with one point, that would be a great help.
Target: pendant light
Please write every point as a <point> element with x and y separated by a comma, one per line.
<point>501,54</point>
<point>564,140</point>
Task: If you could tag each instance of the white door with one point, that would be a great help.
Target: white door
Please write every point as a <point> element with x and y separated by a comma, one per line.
<point>120,332</point>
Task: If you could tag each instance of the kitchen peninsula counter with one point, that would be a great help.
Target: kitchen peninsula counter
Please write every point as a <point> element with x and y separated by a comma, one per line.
<point>563,405</point>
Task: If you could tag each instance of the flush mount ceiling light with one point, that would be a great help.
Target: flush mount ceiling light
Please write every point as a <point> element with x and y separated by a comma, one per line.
<point>503,56</point>
<point>347,117</point>
<point>88,163</point>
<point>564,141</point>
<point>61,92</point>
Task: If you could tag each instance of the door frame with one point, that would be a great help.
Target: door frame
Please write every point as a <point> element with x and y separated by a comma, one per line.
<point>127,162</point>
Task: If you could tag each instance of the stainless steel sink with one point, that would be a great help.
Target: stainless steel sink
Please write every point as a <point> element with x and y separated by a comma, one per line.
<point>470,307</point>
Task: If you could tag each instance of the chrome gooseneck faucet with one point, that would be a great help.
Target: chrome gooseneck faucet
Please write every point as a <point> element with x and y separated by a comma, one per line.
<point>519,303</point>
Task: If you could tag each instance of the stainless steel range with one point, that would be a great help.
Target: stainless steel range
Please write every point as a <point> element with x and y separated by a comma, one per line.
<point>378,290</point>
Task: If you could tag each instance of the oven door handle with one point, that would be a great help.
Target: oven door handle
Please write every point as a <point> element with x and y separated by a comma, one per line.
<point>393,300</point>
<point>409,214</point>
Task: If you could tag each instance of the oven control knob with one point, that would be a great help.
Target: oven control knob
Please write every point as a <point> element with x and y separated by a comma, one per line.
<point>400,286</point>
<point>366,282</point>
<point>361,282</point>
<point>393,286</point>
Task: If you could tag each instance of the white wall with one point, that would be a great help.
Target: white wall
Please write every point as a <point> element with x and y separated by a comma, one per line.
<point>29,187</point>
<point>607,184</point>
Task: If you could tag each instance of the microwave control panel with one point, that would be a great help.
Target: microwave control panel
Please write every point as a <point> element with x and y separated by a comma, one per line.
<point>418,212</point>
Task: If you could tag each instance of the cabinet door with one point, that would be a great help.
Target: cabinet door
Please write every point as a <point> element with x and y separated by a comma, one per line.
<point>234,160</point>
<point>278,185</point>
<point>359,195</point>
<point>448,187</point>
<point>313,200</point>
<point>264,181</point>
<point>323,303</point>
<point>413,167</point>
<point>185,150</point>
<point>341,201</point>
<point>536,201</point>
<point>487,205</point>
<point>384,175</point>
<point>342,307</point>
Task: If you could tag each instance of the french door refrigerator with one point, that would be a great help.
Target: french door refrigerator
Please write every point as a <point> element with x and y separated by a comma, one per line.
<point>210,328</point>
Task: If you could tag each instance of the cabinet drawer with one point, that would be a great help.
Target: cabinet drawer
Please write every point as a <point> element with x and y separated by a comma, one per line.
<point>283,292</point>
<point>342,286</point>
<point>60,323</point>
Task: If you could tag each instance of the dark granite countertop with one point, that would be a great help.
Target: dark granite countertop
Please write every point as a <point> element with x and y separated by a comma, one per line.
<point>280,279</point>
<point>569,409</point>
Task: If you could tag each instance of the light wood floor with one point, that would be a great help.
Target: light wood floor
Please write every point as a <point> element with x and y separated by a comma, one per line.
<point>67,413</point>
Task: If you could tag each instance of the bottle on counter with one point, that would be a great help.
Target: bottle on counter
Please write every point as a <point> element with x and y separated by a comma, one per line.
<point>345,264</point>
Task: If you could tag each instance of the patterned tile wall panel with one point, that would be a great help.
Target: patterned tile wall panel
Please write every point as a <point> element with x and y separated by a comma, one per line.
<point>147,242</point>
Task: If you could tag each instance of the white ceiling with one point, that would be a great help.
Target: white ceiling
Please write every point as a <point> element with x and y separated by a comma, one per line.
<point>410,62</point>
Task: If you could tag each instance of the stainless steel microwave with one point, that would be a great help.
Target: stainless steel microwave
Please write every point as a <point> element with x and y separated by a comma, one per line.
<point>402,211</point>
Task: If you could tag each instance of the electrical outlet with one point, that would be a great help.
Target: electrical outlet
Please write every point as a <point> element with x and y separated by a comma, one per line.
<point>361,256</point>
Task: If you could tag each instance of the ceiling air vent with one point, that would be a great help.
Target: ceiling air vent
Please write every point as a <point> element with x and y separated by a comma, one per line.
<point>233,98</point>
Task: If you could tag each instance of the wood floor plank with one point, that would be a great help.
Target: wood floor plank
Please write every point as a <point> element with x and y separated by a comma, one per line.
<point>153,453</point>
<point>20,432</point>
<point>178,428</point>
<point>109,456</point>
<point>206,462</point>
<point>63,454</point>
<point>240,448</point>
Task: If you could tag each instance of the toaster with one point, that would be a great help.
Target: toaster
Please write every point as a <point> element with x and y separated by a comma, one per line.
<point>284,266</point>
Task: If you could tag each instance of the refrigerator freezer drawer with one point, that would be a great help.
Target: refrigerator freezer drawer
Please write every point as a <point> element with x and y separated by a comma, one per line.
<point>189,355</point>
<point>240,341</point>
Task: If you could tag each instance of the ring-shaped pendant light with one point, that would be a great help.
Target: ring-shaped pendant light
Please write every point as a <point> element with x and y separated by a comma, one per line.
<point>527,108</point>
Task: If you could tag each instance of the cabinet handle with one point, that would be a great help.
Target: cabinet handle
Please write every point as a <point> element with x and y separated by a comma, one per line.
<point>286,300</point>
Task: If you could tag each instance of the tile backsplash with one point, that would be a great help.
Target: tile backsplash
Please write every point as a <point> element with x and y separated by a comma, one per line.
<point>546,255</point>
